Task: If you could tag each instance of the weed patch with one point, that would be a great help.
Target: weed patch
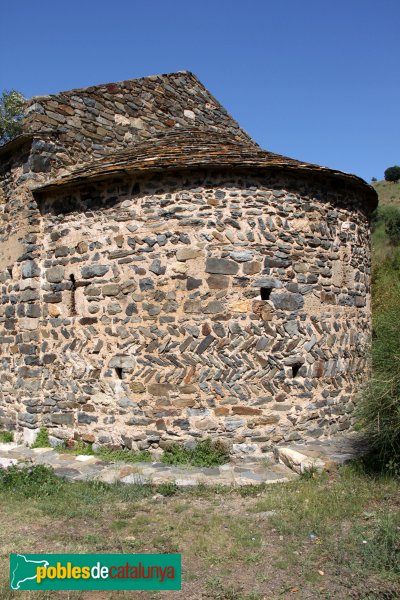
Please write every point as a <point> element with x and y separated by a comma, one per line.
<point>42,439</point>
<point>31,482</point>
<point>205,454</point>
<point>6,436</point>
<point>120,455</point>
<point>123,455</point>
<point>381,546</point>
<point>167,489</point>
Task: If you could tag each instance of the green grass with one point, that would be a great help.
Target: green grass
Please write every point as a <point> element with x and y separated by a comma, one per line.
<point>381,545</point>
<point>232,551</point>
<point>315,505</point>
<point>6,436</point>
<point>120,455</point>
<point>378,409</point>
<point>205,454</point>
<point>218,590</point>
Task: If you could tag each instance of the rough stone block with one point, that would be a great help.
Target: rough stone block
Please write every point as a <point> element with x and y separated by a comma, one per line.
<point>221,266</point>
<point>184,254</point>
<point>30,269</point>
<point>94,271</point>
<point>55,274</point>
<point>122,361</point>
<point>160,389</point>
<point>287,301</point>
<point>218,282</point>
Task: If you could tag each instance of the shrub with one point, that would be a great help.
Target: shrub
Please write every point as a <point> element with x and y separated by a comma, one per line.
<point>378,408</point>
<point>206,454</point>
<point>391,217</point>
<point>42,439</point>
<point>123,455</point>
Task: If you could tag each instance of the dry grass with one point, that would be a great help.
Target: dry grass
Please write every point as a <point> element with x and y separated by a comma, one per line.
<point>388,192</point>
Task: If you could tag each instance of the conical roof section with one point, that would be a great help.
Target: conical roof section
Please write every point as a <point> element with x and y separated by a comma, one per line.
<point>161,122</point>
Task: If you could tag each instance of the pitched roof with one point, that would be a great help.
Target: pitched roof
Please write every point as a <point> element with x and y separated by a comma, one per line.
<point>143,108</point>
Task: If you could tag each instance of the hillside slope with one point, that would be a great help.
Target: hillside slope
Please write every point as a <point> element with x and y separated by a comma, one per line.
<point>389,193</point>
<point>385,254</point>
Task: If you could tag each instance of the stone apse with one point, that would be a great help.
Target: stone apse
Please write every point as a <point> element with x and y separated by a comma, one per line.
<point>165,279</point>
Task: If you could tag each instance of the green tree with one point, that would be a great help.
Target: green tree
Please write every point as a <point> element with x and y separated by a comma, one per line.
<point>391,217</point>
<point>392,174</point>
<point>11,113</point>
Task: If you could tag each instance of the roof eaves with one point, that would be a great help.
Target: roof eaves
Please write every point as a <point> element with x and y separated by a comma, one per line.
<point>12,145</point>
<point>148,166</point>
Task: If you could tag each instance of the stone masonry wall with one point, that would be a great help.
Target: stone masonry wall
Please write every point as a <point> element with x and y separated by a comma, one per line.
<point>183,306</point>
<point>20,306</point>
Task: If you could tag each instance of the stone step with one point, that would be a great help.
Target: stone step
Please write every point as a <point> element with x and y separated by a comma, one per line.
<point>285,464</point>
<point>85,468</point>
<point>322,455</point>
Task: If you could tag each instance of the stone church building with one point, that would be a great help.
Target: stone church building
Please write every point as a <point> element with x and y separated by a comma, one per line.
<point>165,279</point>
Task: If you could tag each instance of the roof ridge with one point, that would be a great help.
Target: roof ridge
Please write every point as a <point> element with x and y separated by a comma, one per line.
<point>121,82</point>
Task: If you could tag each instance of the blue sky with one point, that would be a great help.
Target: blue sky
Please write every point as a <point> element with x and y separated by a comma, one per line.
<point>315,80</point>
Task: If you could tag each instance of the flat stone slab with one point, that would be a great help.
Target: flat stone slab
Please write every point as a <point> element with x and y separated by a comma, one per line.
<point>7,445</point>
<point>66,473</point>
<point>322,454</point>
<point>136,478</point>
<point>86,458</point>
<point>7,462</point>
<point>186,482</point>
<point>291,460</point>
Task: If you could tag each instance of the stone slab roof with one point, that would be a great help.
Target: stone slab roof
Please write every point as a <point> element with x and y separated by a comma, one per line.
<point>191,148</point>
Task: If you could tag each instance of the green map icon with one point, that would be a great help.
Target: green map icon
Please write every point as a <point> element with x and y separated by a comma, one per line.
<point>23,570</point>
<point>95,571</point>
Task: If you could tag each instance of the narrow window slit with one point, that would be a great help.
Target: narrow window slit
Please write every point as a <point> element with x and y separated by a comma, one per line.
<point>73,298</point>
<point>295,370</point>
<point>118,371</point>
<point>265,293</point>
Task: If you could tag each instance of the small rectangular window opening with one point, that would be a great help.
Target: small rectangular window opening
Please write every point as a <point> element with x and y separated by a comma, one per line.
<point>295,369</point>
<point>265,293</point>
<point>118,371</point>
<point>73,298</point>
